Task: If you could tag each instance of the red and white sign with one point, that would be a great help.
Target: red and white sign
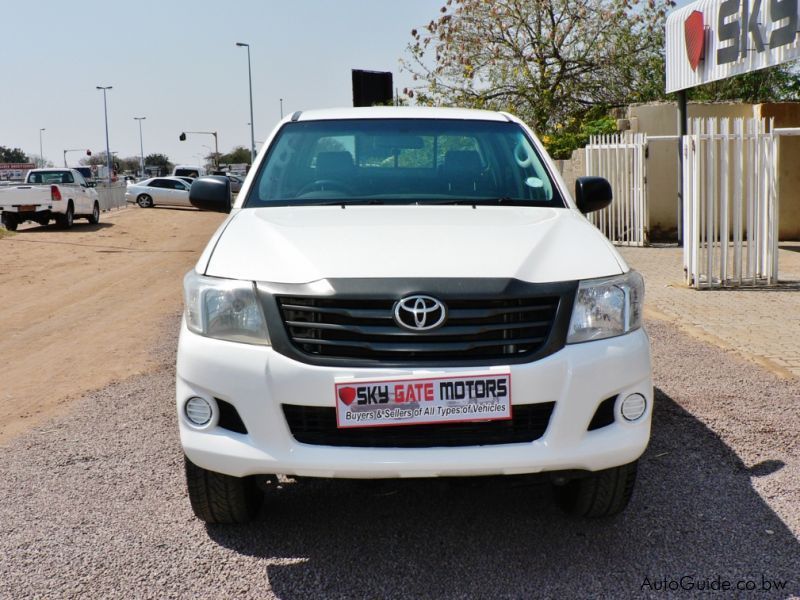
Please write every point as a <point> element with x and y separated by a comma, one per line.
<point>479,396</point>
<point>17,166</point>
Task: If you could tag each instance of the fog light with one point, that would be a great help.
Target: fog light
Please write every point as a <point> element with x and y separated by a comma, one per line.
<point>633,407</point>
<point>198,411</point>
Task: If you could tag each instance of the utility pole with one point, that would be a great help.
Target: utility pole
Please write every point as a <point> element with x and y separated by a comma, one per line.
<point>141,145</point>
<point>252,127</point>
<point>109,164</point>
<point>41,153</point>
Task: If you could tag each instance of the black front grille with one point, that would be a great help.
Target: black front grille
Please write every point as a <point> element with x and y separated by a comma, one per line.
<point>317,425</point>
<point>365,329</point>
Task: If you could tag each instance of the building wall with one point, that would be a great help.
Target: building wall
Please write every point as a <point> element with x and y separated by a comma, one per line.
<point>787,115</point>
<point>572,169</point>
<point>662,164</point>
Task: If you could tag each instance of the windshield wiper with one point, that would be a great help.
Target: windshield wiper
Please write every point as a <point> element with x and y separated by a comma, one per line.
<point>343,202</point>
<point>351,202</point>
<point>477,201</point>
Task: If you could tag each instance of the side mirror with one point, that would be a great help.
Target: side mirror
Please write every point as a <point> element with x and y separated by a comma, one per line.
<point>211,193</point>
<point>592,193</point>
<point>91,184</point>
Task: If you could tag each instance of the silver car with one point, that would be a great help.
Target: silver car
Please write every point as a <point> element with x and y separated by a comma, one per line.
<point>236,182</point>
<point>167,191</point>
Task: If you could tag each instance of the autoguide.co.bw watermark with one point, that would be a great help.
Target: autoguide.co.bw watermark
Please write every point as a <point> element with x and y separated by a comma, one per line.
<point>695,583</point>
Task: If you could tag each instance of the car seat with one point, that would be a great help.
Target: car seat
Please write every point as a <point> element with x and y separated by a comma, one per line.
<point>462,171</point>
<point>334,165</point>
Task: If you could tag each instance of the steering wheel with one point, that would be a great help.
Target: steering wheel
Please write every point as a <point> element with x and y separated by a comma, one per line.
<point>325,185</point>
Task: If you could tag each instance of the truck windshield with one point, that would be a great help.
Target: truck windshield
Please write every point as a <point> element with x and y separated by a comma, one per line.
<point>425,161</point>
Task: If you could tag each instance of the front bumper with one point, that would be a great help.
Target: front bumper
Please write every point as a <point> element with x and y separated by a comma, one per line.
<point>256,380</point>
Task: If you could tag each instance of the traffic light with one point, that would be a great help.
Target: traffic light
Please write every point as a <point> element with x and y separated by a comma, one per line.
<point>182,137</point>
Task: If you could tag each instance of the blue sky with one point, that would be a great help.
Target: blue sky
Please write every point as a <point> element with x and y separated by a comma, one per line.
<point>176,63</point>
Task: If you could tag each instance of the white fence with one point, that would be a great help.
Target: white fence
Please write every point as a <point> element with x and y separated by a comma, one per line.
<point>730,208</point>
<point>111,196</point>
<point>621,158</point>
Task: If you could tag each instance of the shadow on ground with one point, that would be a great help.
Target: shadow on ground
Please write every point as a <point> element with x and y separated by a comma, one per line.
<point>694,515</point>
<point>80,225</point>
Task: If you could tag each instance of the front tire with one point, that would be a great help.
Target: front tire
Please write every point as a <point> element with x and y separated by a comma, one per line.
<point>94,218</point>
<point>145,201</point>
<point>218,498</point>
<point>10,222</point>
<point>600,494</point>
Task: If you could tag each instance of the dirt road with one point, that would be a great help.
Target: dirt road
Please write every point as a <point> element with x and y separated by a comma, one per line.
<point>82,308</point>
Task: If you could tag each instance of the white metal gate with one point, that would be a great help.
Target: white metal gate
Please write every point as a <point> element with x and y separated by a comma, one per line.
<point>730,207</point>
<point>620,158</point>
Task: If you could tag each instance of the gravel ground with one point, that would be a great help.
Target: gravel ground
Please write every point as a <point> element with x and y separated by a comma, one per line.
<point>94,505</point>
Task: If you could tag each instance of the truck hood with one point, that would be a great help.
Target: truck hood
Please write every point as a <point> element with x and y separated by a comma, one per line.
<point>308,243</point>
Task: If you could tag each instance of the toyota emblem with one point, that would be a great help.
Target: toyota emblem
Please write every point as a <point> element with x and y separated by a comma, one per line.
<point>419,313</point>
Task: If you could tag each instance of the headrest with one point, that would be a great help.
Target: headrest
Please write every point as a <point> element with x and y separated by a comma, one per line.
<point>462,160</point>
<point>334,161</point>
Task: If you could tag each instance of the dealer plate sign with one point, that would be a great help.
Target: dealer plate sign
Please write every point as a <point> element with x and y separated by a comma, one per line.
<point>480,396</point>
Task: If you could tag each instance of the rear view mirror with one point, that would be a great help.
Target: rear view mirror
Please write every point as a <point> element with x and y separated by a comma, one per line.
<point>211,193</point>
<point>592,193</point>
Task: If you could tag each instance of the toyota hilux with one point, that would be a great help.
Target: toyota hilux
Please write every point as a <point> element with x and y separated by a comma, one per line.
<point>410,292</point>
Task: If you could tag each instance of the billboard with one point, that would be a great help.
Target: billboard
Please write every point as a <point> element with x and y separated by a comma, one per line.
<point>372,87</point>
<point>709,40</point>
<point>14,171</point>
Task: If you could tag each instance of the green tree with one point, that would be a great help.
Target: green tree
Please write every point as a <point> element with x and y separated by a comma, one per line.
<point>239,155</point>
<point>121,165</point>
<point>13,155</point>
<point>552,62</point>
<point>158,160</point>
<point>129,164</point>
<point>775,84</point>
<point>561,65</point>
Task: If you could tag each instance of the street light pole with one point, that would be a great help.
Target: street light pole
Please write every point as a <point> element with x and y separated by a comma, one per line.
<point>141,145</point>
<point>108,147</point>
<point>252,127</point>
<point>41,154</point>
<point>281,108</point>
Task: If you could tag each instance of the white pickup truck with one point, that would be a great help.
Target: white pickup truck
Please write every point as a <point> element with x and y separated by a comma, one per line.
<point>60,194</point>
<point>410,292</point>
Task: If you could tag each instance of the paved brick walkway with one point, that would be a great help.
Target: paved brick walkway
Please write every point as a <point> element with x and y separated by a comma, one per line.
<point>763,325</point>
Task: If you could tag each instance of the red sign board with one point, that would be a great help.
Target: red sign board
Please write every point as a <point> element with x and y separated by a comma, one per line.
<point>695,38</point>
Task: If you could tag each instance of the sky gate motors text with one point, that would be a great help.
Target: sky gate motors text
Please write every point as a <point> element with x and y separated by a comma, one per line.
<point>739,20</point>
<point>478,389</point>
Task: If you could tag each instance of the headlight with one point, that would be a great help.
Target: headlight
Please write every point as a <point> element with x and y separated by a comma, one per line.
<point>226,309</point>
<point>607,307</point>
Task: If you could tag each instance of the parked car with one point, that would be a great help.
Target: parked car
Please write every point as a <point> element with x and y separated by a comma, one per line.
<point>60,194</point>
<point>167,191</point>
<point>410,292</point>
<point>236,182</point>
<point>188,171</point>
